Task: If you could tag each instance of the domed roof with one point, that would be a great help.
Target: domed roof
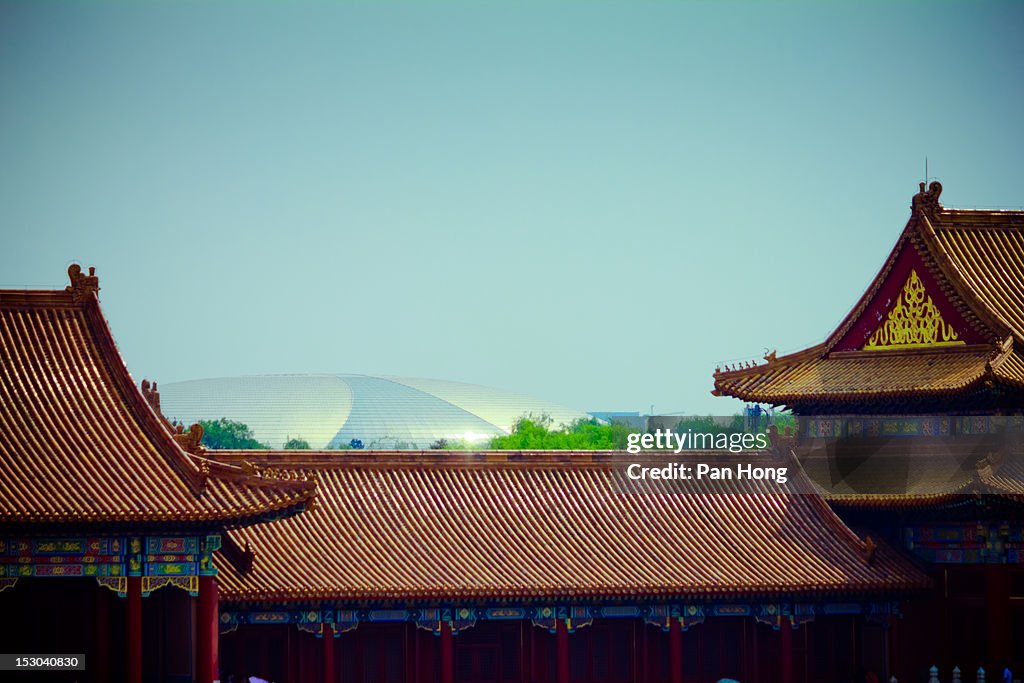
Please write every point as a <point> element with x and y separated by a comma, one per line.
<point>382,411</point>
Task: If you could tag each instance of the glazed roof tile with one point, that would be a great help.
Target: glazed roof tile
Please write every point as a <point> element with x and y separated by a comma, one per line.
<point>986,249</point>
<point>79,444</point>
<point>428,526</point>
<point>863,375</point>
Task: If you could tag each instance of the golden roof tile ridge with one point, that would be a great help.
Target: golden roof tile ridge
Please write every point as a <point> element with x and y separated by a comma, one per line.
<point>803,485</point>
<point>60,346</point>
<point>195,472</point>
<point>137,405</point>
<point>952,273</point>
<point>398,459</point>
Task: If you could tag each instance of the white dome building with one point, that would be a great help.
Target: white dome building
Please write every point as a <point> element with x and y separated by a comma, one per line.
<point>329,411</point>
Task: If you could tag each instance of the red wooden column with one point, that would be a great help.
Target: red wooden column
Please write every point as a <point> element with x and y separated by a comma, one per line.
<point>526,650</point>
<point>101,664</point>
<point>307,653</point>
<point>133,630</point>
<point>997,589</point>
<point>562,646</point>
<point>208,631</point>
<point>447,653</point>
<point>535,659</point>
<point>675,650</point>
<point>328,646</point>
<point>292,652</point>
<point>892,647</point>
<point>412,645</point>
<point>786,649</point>
<point>753,672</point>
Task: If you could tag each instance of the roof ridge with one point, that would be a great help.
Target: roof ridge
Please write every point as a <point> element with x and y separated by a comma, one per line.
<point>827,515</point>
<point>194,468</point>
<point>65,330</point>
<point>872,289</point>
<point>771,362</point>
<point>136,403</point>
<point>948,267</point>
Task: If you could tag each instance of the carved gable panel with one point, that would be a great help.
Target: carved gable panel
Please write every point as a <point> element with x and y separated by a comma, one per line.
<point>910,310</point>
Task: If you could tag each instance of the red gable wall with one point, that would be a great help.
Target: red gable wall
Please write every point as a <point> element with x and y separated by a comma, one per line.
<point>888,294</point>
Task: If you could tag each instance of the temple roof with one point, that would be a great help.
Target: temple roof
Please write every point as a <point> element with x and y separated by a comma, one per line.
<point>79,443</point>
<point>944,316</point>
<point>419,527</point>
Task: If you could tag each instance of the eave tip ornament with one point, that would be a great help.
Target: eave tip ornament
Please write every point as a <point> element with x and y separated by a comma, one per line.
<point>927,201</point>
<point>190,441</point>
<point>81,285</point>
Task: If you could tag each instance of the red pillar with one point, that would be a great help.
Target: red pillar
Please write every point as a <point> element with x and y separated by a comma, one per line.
<point>328,645</point>
<point>526,651</point>
<point>101,664</point>
<point>412,669</point>
<point>208,631</point>
<point>786,650</point>
<point>562,645</point>
<point>307,653</point>
<point>997,590</point>
<point>133,630</point>
<point>892,648</point>
<point>753,672</point>
<point>947,636</point>
<point>293,643</point>
<point>447,653</point>
<point>642,669</point>
<point>675,650</point>
<point>535,659</point>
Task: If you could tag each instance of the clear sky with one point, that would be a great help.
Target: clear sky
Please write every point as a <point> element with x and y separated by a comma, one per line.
<point>591,202</point>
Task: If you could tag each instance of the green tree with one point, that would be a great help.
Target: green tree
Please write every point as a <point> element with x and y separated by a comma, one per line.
<point>296,444</point>
<point>535,433</point>
<point>225,433</point>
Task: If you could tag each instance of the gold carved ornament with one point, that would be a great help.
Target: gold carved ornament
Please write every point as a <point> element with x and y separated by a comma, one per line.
<point>914,322</point>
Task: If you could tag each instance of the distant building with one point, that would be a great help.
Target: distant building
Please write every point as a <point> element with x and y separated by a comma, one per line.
<point>381,411</point>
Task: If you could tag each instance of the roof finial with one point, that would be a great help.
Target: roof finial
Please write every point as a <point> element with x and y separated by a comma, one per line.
<point>81,284</point>
<point>927,200</point>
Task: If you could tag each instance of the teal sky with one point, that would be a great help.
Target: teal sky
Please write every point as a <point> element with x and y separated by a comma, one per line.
<point>594,203</point>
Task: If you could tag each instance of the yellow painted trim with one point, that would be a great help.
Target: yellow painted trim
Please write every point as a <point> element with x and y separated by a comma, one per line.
<point>921,345</point>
